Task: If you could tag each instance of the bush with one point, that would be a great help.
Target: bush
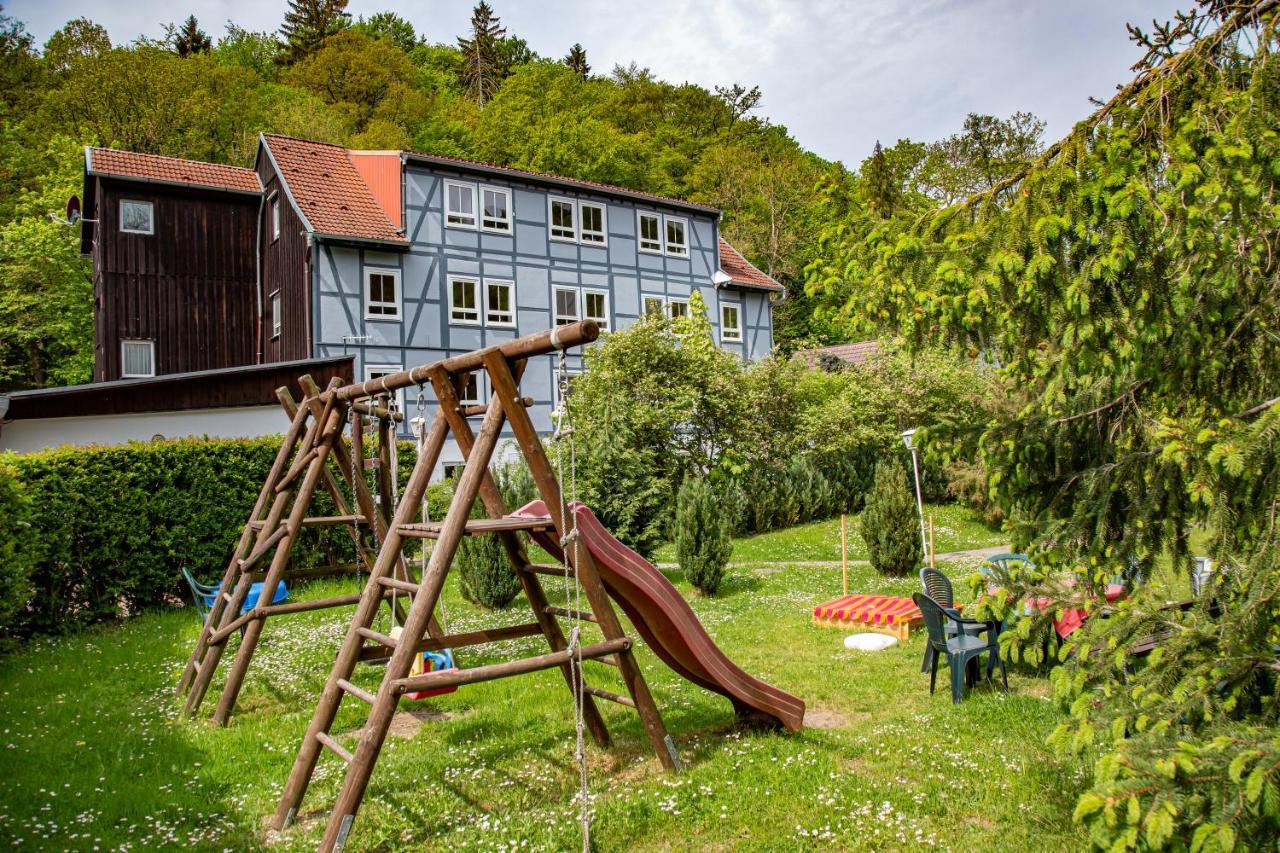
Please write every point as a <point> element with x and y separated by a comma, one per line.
<point>890,522</point>
<point>485,574</point>
<point>116,524</point>
<point>17,546</point>
<point>702,535</point>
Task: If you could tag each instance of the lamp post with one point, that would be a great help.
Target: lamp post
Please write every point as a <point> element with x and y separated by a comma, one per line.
<point>908,439</point>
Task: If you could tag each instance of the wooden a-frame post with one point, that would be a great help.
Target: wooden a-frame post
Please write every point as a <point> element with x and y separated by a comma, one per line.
<point>504,364</point>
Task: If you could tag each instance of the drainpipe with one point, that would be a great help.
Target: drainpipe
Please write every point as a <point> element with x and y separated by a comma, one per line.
<point>257,275</point>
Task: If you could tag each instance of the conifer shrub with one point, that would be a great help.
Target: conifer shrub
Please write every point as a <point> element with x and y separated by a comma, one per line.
<point>17,546</point>
<point>702,535</point>
<point>890,523</point>
<point>485,573</point>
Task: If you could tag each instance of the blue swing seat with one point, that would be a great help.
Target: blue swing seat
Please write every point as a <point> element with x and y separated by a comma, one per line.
<point>205,595</point>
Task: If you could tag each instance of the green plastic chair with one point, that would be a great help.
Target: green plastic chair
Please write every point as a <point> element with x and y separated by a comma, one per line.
<point>938,587</point>
<point>960,647</point>
<point>1004,561</point>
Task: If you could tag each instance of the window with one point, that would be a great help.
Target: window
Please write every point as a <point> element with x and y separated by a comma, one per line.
<point>374,371</point>
<point>499,307</point>
<point>650,232</point>
<point>470,395</point>
<point>677,242</point>
<point>137,217</point>
<point>382,294</point>
<point>464,301</point>
<point>453,470</point>
<point>592,217</point>
<point>275,216</point>
<point>653,306</point>
<point>562,224</point>
<point>566,307</point>
<point>495,210</point>
<point>730,322</point>
<point>595,306</point>
<point>137,358</point>
<point>459,204</point>
<point>277,315</point>
<point>678,308</point>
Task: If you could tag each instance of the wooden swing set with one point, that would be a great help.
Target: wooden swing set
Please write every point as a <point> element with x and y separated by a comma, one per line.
<point>311,447</point>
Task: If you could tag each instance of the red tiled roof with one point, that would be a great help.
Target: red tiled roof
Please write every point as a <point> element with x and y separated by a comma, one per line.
<point>742,271</point>
<point>329,190</point>
<point>613,189</point>
<point>170,170</point>
<point>859,353</point>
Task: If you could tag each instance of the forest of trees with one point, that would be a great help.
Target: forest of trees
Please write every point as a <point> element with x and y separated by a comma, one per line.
<point>377,82</point>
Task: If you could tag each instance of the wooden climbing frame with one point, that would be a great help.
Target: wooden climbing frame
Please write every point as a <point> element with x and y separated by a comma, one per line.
<point>313,443</point>
<point>504,365</point>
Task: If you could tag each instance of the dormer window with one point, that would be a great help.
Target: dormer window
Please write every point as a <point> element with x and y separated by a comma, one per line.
<point>459,204</point>
<point>137,217</point>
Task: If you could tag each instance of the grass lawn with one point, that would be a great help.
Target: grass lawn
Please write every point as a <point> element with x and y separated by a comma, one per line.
<point>94,753</point>
<point>955,528</point>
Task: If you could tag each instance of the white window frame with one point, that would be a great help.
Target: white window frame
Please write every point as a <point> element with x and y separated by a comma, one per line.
<point>475,206</point>
<point>151,357</point>
<point>605,322</point>
<point>273,210</point>
<point>478,376</point>
<point>604,224</point>
<point>657,297</point>
<point>556,316</point>
<point>666,244</point>
<point>640,217</point>
<point>474,281</point>
<point>552,200</point>
<point>508,223</point>
<point>511,290</point>
<point>384,370</point>
<point>677,300</point>
<point>277,313</point>
<point>736,336</point>
<point>151,220</point>
<point>369,303</point>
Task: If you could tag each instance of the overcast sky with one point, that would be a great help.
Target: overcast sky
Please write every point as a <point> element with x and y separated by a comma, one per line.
<point>839,75</point>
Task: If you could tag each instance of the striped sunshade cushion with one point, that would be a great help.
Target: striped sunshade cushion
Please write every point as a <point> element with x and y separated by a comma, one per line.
<point>874,609</point>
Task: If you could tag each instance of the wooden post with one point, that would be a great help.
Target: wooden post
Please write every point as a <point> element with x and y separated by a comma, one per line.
<point>375,730</point>
<point>348,654</point>
<point>931,551</point>
<point>505,391</point>
<point>844,556</point>
<point>494,504</point>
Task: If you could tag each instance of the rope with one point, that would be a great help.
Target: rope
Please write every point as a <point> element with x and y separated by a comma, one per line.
<point>573,589</point>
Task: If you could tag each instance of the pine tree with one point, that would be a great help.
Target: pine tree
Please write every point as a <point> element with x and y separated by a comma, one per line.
<point>191,39</point>
<point>577,60</point>
<point>482,58</point>
<point>890,524</point>
<point>882,191</point>
<point>702,535</point>
<point>308,23</point>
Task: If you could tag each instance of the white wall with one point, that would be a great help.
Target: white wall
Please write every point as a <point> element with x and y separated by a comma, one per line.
<point>25,436</point>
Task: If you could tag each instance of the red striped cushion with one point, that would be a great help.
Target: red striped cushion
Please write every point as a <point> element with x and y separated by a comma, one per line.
<point>876,609</point>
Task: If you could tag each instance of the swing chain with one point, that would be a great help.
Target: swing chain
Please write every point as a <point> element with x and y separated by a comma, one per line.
<point>573,590</point>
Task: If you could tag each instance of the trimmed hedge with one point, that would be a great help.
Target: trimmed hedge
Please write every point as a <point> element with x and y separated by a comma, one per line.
<point>106,530</point>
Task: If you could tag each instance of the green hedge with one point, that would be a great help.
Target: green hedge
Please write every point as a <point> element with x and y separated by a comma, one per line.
<point>92,534</point>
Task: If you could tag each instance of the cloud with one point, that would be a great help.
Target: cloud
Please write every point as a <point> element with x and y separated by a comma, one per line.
<point>839,75</point>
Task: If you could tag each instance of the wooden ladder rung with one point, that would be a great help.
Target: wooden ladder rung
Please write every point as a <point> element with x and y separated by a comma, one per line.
<point>396,583</point>
<point>358,692</point>
<point>570,614</point>
<point>335,747</point>
<point>608,695</point>
<point>381,639</point>
<point>554,571</point>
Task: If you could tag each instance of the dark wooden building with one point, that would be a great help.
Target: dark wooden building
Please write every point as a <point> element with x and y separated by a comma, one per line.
<point>174,266</point>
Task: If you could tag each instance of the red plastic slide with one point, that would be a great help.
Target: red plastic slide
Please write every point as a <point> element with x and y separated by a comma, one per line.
<point>668,624</point>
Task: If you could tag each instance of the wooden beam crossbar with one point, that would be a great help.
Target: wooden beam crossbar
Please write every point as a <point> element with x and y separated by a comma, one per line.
<point>452,678</point>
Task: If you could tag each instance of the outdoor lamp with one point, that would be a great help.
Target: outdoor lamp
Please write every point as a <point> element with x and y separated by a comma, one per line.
<point>908,438</point>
